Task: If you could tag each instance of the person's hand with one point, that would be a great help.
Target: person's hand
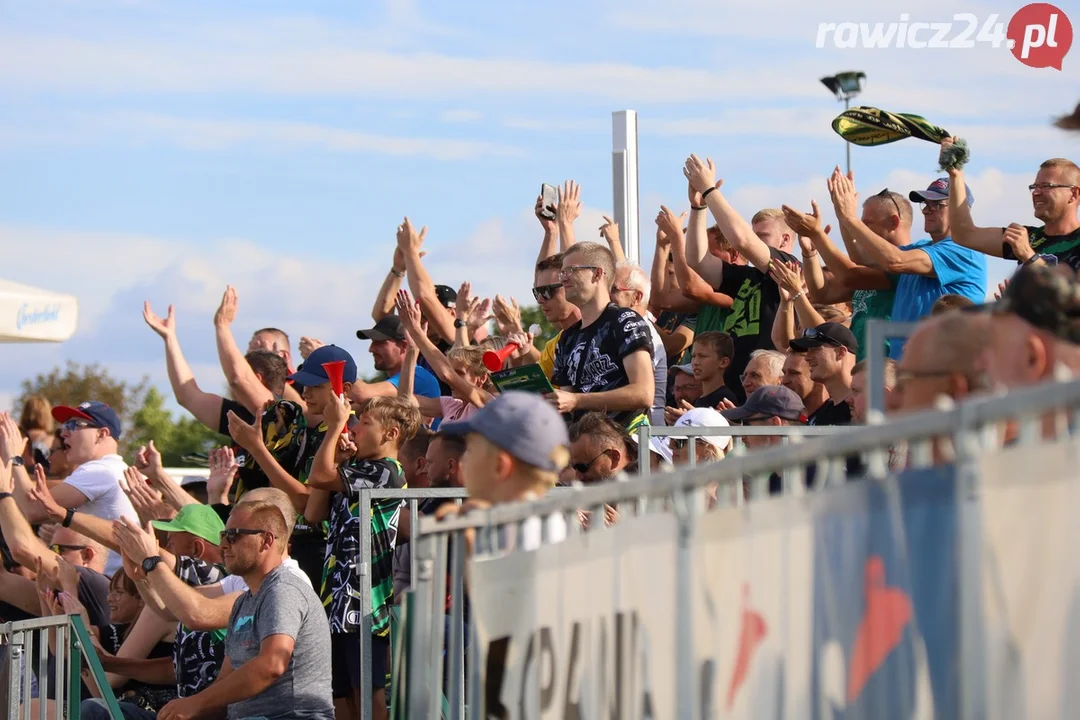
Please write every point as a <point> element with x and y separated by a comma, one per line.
<point>787,277</point>
<point>223,469</point>
<point>164,328</point>
<point>946,144</point>
<point>49,578</point>
<point>12,443</point>
<point>610,231</point>
<point>309,345</point>
<point>693,195</point>
<point>479,315</point>
<point>226,312</point>
<point>1016,236</point>
<point>564,402</point>
<point>725,404</point>
<point>524,342</point>
<point>39,494</point>
<point>569,208</point>
<point>662,239</point>
<point>139,543</point>
<point>464,302</point>
<point>148,502</point>
<point>337,413</point>
<point>246,436</point>
<point>548,224</point>
<point>345,449</point>
<point>671,414</point>
<point>409,312</point>
<point>803,224</point>
<point>670,225</point>
<point>132,569</point>
<point>67,575</point>
<point>407,237</point>
<point>187,708</point>
<point>148,461</point>
<point>1001,289</point>
<point>507,315</point>
<point>844,198</point>
<point>701,175</point>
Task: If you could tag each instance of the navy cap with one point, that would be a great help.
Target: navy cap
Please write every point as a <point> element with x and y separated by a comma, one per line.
<point>97,413</point>
<point>829,333</point>
<point>524,425</point>
<point>389,328</point>
<point>312,374</point>
<point>938,190</point>
<point>447,296</point>
<point>770,401</point>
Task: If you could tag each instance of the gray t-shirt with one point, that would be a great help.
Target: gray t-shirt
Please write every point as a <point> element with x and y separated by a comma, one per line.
<point>284,605</point>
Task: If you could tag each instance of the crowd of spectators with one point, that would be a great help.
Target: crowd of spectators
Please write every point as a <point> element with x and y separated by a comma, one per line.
<point>248,598</point>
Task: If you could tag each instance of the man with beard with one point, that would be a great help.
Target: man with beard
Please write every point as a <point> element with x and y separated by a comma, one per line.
<point>388,347</point>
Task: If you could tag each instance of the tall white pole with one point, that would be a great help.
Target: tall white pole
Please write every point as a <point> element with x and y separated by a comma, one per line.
<point>624,167</point>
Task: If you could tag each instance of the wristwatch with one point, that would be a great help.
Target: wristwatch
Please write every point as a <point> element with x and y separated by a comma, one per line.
<point>459,323</point>
<point>150,563</point>
<point>18,461</point>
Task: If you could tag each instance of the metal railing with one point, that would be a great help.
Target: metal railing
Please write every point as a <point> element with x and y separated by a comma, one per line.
<point>961,434</point>
<point>50,650</point>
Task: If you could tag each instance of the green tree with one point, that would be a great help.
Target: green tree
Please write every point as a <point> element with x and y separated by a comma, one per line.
<point>75,383</point>
<point>173,438</point>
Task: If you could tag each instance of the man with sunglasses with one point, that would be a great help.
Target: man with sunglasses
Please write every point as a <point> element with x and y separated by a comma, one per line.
<point>90,433</point>
<point>560,312</point>
<point>830,354</point>
<point>927,269</point>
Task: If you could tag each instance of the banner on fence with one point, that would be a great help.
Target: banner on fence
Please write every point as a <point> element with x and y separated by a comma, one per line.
<point>1031,581</point>
<point>837,604</point>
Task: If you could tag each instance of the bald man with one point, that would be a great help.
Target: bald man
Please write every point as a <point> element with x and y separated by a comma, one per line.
<point>942,359</point>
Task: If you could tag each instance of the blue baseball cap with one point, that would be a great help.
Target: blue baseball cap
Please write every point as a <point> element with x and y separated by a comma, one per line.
<point>312,374</point>
<point>522,424</point>
<point>96,413</point>
<point>938,190</point>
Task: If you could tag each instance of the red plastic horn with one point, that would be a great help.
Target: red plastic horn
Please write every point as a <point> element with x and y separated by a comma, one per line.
<point>335,372</point>
<point>494,359</point>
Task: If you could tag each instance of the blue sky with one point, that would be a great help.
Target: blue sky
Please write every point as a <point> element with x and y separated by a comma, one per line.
<point>159,150</point>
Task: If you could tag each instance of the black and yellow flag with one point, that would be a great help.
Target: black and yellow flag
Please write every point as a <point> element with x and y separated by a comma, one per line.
<point>869,126</point>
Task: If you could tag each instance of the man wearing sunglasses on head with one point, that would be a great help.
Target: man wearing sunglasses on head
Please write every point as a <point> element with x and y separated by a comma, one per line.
<point>830,354</point>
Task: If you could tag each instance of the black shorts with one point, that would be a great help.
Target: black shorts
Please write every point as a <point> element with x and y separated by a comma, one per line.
<point>345,657</point>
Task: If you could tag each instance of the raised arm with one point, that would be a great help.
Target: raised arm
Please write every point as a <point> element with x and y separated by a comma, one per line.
<point>567,211</point>
<point>702,175</point>
<point>550,244</point>
<point>964,231</point>
<point>429,407</point>
<point>438,316</point>
<point>206,407</point>
<point>148,462</point>
<point>878,251</point>
<point>693,285</point>
<point>26,548</point>
<point>335,449</point>
<point>250,438</point>
<point>243,381</point>
<point>846,274</point>
<point>190,605</point>
<point>384,301</point>
<point>610,232</point>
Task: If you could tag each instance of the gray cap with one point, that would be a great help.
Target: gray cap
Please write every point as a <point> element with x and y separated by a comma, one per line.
<point>687,368</point>
<point>524,425</point>
<point>770,401</point>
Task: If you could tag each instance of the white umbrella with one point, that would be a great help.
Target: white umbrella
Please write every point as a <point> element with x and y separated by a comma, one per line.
<point>29,314</point>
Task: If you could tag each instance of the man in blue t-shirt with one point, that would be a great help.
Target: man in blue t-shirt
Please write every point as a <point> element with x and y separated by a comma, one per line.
<point>388,346</point>
<point>927,269</point>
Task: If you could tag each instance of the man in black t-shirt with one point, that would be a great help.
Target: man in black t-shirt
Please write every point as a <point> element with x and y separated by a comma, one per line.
<point>764,240</point>
<point>603,361</point>
<point>830,353</point>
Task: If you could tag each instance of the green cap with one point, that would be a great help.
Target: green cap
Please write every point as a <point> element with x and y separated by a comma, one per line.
<point>202,521</point>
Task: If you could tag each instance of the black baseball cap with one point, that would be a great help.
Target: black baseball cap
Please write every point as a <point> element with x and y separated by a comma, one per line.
<point>447,295</point>
<point>829,333</point>
<point>389,328</point>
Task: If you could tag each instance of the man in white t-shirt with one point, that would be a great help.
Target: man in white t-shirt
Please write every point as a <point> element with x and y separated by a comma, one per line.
<point>90,433</point>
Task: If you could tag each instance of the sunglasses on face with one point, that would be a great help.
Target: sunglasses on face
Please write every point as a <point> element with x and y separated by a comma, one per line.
<point>232,534</point>
<point>73,425</point>
<point>583,468</point>
<point>543,293</point>
<point>58,549</point>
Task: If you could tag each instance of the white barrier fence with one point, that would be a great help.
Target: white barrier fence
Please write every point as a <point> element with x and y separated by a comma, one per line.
<point>944,590</point>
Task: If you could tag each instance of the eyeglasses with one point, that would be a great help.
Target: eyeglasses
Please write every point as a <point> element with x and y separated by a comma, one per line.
<point>932,205</point>
<point>681,443</point>
<point>751,376</point>
<point>568,271</point>
<point>230,536</point>
<point>1043,187</point>
<point>543,293</point>
<point>616,288</point>
<point>73,425</point>
<point>584,467</point>
<point>885,194</point>
<point>58,549</point>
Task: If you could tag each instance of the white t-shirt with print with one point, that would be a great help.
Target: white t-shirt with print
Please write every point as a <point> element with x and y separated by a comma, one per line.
<point>659,363</point>
<point>99,481</point>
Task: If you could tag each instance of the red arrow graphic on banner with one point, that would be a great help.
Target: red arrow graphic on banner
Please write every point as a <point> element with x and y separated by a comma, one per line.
<point>752,633</point>
<point>888,612</point>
